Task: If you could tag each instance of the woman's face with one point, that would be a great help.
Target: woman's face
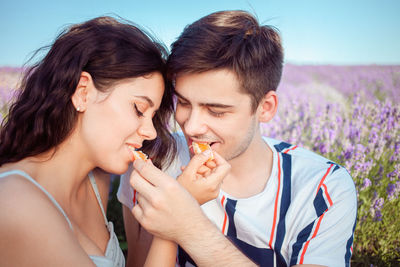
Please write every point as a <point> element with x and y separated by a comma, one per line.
<point>121,118</point>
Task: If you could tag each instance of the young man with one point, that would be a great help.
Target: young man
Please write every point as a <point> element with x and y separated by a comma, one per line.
<point>280,205</point>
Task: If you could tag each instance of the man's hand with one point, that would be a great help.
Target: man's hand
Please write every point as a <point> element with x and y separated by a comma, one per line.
<point>164,206</point>
<point>203,178</point>
<point>167,210</point>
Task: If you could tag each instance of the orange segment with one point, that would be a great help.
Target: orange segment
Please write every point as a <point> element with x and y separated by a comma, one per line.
<point>137,154</point>
<point>200,147</point>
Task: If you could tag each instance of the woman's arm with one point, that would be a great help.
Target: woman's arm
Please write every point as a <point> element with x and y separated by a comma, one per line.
<point>138,239</point>
<point>162,253</point>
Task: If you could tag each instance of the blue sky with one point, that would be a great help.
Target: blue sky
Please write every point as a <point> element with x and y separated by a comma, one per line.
<point>313,31</point>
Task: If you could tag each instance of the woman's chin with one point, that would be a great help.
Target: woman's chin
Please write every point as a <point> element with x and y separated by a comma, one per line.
<point>119,169</point>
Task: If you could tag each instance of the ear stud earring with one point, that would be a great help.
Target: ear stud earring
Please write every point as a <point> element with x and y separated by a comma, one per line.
<point>78,109</point>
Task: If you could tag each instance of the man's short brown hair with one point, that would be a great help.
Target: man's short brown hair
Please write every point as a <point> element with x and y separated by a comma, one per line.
<point>232,40</point>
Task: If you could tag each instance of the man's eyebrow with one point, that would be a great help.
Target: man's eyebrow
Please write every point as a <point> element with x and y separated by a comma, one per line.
<point>214,105</point>
<point>147,99</point>
<point>180,96</point>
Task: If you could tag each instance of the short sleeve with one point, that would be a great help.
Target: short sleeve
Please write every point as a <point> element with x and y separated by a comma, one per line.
<point>327,238</point>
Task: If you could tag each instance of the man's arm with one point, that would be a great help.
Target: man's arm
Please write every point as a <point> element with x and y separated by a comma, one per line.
<point>168,211</point>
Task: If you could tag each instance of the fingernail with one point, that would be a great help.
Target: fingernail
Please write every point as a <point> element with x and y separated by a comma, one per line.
<point>138,164</point>
<point>207,153</point>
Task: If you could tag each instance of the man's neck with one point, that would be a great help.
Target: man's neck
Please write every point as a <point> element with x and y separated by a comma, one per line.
<point>250,171</point>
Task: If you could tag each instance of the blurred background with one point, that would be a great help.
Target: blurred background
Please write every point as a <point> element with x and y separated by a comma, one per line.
<point>339,94</point>
<point>313,31</point>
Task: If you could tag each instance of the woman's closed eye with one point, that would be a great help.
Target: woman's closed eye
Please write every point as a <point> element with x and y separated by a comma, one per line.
<point>138,112</point>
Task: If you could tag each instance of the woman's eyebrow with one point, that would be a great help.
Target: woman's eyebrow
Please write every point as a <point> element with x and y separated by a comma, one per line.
<point>147,99</point>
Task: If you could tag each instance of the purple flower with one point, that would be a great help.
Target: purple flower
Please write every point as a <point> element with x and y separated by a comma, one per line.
<point>393,175</point>
<point>378,215</point>
<point>366,183</point>
<point>322,148</point>
<point>393,190</point>
<point>376,208</point>
<point>373,137</point>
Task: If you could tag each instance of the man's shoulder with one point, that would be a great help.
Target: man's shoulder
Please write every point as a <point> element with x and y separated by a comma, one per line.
<point>307,165</point>
<point>298,153</point>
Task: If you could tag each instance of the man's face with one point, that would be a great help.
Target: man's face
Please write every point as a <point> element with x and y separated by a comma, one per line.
<point>210,108</point>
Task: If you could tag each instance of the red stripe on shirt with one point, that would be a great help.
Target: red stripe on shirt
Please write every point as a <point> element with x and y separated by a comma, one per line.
<point>276,203</point>
<point>293,148</point>
<point>323,178</point>
<point>308,242</point>
<point>327,194</point>
<point>134,197</point>
<point>225,219</point>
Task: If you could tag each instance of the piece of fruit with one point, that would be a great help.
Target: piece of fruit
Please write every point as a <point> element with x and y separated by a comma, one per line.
<point>200,147</point>
<point>137,154</point>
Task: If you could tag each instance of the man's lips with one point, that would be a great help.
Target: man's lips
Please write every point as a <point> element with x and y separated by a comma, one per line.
<point>190,143</point>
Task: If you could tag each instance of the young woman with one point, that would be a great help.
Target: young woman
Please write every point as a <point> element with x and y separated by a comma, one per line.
<point>98,92</point>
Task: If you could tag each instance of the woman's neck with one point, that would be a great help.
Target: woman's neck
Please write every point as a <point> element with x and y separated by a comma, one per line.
<point>62,172</point>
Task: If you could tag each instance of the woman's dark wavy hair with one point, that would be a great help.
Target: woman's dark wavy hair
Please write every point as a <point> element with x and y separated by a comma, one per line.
<point>109,49</point>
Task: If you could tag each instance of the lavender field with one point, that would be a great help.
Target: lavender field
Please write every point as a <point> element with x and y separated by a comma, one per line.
<point>350,114</point>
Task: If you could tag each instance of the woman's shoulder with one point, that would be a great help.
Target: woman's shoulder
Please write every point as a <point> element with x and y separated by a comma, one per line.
<point>24,204</point>
<point>32,226</point>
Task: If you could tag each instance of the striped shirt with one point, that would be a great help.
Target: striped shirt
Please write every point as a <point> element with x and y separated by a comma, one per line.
<point>306,213</point>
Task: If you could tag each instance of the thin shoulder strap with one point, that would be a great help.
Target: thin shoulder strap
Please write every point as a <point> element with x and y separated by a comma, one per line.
<point>26,176</point>
<point>96,192</point>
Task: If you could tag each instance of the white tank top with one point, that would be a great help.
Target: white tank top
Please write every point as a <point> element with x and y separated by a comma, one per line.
<point>113,256</point>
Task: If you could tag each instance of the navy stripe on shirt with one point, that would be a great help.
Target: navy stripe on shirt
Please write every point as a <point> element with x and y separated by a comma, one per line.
<point>285,203</point>
<point>281,146</point>
<point>348,246</point>
<point>319,203</point>
<point>301,239</point>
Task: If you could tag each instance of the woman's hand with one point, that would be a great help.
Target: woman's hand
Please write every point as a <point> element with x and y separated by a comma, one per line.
<point>203,177</point>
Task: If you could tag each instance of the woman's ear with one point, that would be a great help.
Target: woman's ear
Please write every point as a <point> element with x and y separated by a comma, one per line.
<point>267,107</point>
<point>80,97</point>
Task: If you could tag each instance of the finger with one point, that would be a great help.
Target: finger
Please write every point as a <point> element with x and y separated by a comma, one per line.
<point>211,164</point>
<point>197,161</point>
<point>138,213</point>
<point>218,159</point>
<point>151,173</point>
<point>203,170</point>
<point>222,169</point>
<point>143,202</point>
<point>207,173</point>
<point>141,185</point>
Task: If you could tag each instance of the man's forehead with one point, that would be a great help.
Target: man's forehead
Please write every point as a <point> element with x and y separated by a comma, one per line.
<point>207,92</point>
